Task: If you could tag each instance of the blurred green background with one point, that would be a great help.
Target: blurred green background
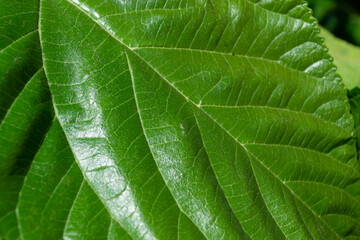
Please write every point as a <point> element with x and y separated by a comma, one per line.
<point>341,17</point>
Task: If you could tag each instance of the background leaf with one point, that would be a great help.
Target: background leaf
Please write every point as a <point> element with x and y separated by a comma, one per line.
<point>26,110</point>
<point>346,58</point>
<point>20,52</point>
<point>341,17</point>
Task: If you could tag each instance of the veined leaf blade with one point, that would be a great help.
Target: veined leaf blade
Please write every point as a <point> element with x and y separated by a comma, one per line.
<point>141,89</point>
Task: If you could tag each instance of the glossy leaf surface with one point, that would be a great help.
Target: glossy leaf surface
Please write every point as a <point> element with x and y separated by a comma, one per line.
<point>185,119</point>
<point>66,206</point>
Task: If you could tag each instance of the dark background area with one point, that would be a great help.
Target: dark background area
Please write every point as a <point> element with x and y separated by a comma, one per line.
<point>341,17</point>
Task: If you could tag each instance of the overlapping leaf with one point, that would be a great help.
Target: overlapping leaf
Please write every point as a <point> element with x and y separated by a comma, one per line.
<point>26,110</point>
<point>188,119</point>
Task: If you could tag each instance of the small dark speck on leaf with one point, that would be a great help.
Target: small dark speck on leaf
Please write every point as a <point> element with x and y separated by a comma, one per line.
<point>233,54</point>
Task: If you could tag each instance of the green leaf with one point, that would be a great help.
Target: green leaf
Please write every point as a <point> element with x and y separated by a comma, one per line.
<point>354,97</point>
<point>346,58</point>
<point>65,206</point>
<point>21,134</point>
<point>20,53</point>
<point>26,110</point>
<point>182,120</point>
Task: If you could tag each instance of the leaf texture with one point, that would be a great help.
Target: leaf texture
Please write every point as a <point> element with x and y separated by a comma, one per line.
<point>354,97</point>
<point>175,119</point>
<point>20,53</point>
<point>26,110</point>
<point>66,204</point>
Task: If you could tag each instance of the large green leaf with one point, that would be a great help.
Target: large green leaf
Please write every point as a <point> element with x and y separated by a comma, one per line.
<point>182,119</point>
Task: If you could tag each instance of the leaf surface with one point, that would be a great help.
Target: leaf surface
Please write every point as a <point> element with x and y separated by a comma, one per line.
<point>20,53</point>
<point>235,106</point>
<point>66,207</point>
<point>26,110</point>
<point>175,119</point>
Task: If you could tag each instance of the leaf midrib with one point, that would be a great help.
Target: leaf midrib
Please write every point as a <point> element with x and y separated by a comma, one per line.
<point>198,107</point>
